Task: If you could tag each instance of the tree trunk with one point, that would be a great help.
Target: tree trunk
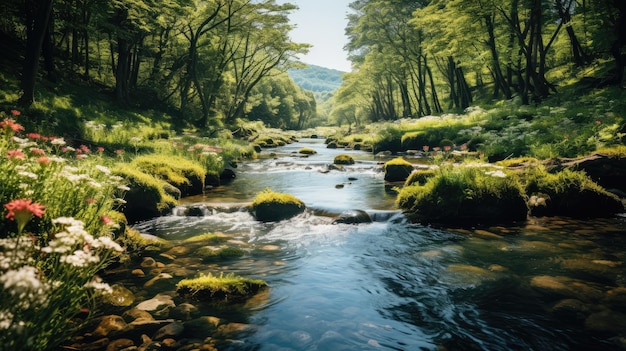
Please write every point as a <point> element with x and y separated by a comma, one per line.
<point>37,17</point>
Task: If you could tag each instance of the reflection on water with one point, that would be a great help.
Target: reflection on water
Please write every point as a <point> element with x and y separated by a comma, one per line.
<point>393,285</point>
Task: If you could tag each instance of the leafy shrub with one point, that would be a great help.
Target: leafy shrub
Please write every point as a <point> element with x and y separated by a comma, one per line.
<point>420,176</point>
<point>184,174</point>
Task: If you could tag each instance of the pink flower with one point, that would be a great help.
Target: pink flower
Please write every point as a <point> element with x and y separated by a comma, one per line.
<point>37,151</point>
<point>81,156</point>
<point>43,160</point>
<point>106,220</point>
<point>447,148</point>
<point>91,201</point>
<point>15,112</point>
<point>598,122</point>
<point>463,146</point>
<point>100,149</point>
<point>16,154</point>
<point>119,152</point>
<point>425,148</point>
<point>11,124</point>
<point>22,211</point>
<point>85,149</point>
<point>34,136</point>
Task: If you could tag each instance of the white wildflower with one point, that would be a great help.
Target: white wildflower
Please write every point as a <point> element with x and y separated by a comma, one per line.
<point>69,148</point>
<point>107,243</point>
<point>19,140</point>
<point>80,258</point>
<point>103,169</point>
<point>58,141</point>
<point>57,159</point>
<point>123,188</point>
<point>120,201</point>
<point>28,175</point>
<point>116,179</point>
<point>23,186</point>
<point>98,285</point>
<point>6,319</point>
<point>22,282</point>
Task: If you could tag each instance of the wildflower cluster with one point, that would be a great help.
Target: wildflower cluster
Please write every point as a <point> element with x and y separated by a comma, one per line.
<point>54,234</point>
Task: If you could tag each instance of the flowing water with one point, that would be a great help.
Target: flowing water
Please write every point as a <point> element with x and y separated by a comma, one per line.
<point>391,285</point>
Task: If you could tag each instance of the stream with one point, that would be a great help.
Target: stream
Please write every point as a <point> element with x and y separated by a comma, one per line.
<point>546,284</point>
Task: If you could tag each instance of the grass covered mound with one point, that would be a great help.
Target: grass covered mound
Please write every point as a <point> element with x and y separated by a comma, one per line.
<point>224,287</point>
<point>465,195</point>
<point>397,170</point>
<point>307,151</point>
<point>182,173</point>
<point>269,206</point>
<point>568,193</point>
<point>146,197</point>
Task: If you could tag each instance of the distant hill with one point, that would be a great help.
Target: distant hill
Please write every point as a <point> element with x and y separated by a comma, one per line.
<point>316,79</point>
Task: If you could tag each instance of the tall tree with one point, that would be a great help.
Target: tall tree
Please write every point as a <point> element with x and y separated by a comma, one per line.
<point>37,20</point>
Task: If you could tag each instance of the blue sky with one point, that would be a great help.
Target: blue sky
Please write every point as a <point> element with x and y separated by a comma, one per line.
<point>322,24</point>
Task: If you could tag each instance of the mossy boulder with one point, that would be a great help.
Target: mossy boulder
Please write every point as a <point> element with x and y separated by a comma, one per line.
<point>465,196</point>
<point>180,172</point>
<point>146,198</point>
<point>343,159</point>
<point>221,288</point>
<point>397,170</point>
<point>569,193</point>
<point>307,151</point>
<point>414,140</point>
<point>208,239</point>
<point>269,206</point>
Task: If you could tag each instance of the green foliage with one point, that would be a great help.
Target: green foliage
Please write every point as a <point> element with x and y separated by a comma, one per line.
<point>184,174</point>
<point>420,176</point>
<point>570,193</point>
<point>465,194</point>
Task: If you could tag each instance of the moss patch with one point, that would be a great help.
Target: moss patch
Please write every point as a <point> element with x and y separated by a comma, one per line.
<point>208,239</point>
<point>182,173</point>
<point>223,287</point>
<point>420,176</point>
<point>269,206</point>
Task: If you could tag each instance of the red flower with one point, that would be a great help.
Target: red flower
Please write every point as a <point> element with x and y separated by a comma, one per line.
<point>85,149</point>
<point>16,154</point>
<point>15,112</point>
<point>37,151</point>
<point>106,220</point>
<point>22,211</point>
<point>43,160</point>
<point>100,149</point>
<point>447,148</point>
<point>34,136</point>
<point>11,124</point>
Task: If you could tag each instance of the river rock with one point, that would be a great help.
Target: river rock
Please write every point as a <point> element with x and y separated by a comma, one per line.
<point>119,296</point>
<point>606,321</point>
<point>119,344</point>
<point>231,330</point>
<point>159,277</point>
<point>135,314</point>
<point>616,299</point>
<point>560,286</point>
<point>183,311</point>
<point>109,324</point>
<point>202,327</point>
<point>148,262</point>
<point>138,273</point>
<point>353,217</point>
<point>571,309</point>
<point>171,330</point>
<point>157,303</point>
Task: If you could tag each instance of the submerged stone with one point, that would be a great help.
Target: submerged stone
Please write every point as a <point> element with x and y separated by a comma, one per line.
<point>353,217</point>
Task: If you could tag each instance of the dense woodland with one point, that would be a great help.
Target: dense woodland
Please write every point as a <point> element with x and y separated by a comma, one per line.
<point>211,63</point>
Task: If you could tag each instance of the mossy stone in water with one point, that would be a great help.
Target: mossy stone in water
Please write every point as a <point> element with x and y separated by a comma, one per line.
<point>269,206</point>
<point>343,159</point>
<point>397,170</point>
<point>224,287</point>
